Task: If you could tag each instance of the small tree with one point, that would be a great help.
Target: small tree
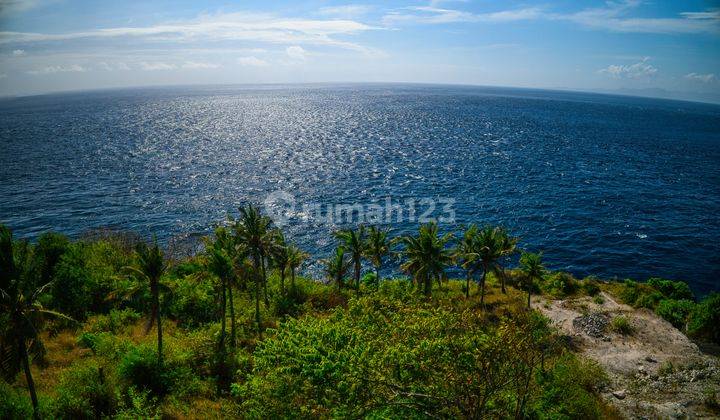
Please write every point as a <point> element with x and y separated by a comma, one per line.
<point>337,267</point>
<point>21,313</point>
<point>533,270</point>
<point>376,248</point>
<point>353,241</point>
<point>149,269</point>
<point>426,256</point>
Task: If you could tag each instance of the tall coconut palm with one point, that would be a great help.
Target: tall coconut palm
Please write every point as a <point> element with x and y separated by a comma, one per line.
<point>21,314</point>
<point>489,248</point>
<point>296,256</point>
<point>253,230</point>
<point>508,246</point>
<point>533,270</point>
<point>279,253</point>
<point>337,266</point>
<point>376,248</point>
<point>353,241</point>
<point>466,255</point>
<point>220,264</point>
<point>149,269</point>
<point>426,255</point>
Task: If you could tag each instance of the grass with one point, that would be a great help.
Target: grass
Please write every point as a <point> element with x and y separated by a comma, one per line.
<point>621,325</point>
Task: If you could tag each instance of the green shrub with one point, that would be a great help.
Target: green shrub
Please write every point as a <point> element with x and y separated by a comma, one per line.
<point>567,390</point>
<point>677,290</point>
<point>14,403</point>
<point>559,284</point>
<point>139,368</point>
<point>704,320</point>
<point>590,287</point>
<point>85,391</point>
<point>192,302</point>
<point>598,299</point>
<point>369,279</point>
<point>649,300</point>
<point>138,405</point>
<point>115,321</point>
<point>675,312</point>
<point>621,325</point>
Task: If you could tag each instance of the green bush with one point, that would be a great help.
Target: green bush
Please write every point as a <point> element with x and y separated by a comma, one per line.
<point>704,320</point>
<point>14,403</point>
<point>115,321</point>
<point>677,290</point>
<point>559,285</point>
<point>566,390</point>
<point>675,312</point>
<point>590,287</point>
<point>192,301</point>
<point>85,392</point>
<point>139,368</point>
<point>621,325</point>
<point>379,358</point>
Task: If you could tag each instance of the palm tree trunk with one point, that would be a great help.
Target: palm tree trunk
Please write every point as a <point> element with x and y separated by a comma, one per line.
<point>467,286</point>
<point>482,287</point>
<point>223,311</point>
<point>377,275</point>
<point>528,298</point>
<point>282,280</point>
<point>159,327</point>
<point>264,279</point>
<point>428,285</point>
<point>292,278</point>
<point>257,298</point>
<point>502,279</point>
<point>232,317</point>
<point>357,274</point>
<point>28,377</point>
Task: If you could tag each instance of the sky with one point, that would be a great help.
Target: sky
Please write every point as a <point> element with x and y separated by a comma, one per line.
<point>656,48</point>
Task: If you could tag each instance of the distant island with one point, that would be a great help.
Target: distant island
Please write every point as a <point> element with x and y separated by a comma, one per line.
<point>111,327</point>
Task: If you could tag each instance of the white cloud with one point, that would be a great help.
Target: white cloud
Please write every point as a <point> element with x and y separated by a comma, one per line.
<point>155,66</point>
<point>199,65</point>
<point>13,6</point>
<point>18,53</point>
<point>704,78</point>
<point>634,71</point>
<point>74,68</point>
<point>436,15</point>
<point>103,65</point>
<point>220,27</point>
<point>251,61</point>
<point>613,16</point>
<point>296,52</point>
<point>348,10</point>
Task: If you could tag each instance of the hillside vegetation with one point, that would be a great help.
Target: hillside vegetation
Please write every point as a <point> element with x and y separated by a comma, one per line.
<point>110,326</point>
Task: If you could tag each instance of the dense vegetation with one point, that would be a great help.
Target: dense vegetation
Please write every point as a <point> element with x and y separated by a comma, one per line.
<point>111,327</point>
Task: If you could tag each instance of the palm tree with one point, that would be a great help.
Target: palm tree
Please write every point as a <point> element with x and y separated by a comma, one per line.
<point>220,264</point>
<point>354,243</point>
<point>489,249</point>
<point>508,246</point>
<point>280,256</point>
<point>22,314</point>
<point>151,266</point>
<point>533,269</point>
<point>377,246</point>
<point>337,266</point>
<point>426,255</point>
<point>466,255</point>
<point>296,256</point>
<point>253,230</point>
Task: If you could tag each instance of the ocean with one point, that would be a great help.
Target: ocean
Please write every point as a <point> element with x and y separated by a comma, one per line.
<point>611,186</point>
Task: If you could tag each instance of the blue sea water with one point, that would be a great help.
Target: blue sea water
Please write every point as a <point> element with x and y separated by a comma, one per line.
<point>605,185</point>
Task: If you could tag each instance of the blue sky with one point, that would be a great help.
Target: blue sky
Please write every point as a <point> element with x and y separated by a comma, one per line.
<point>631,45</point>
